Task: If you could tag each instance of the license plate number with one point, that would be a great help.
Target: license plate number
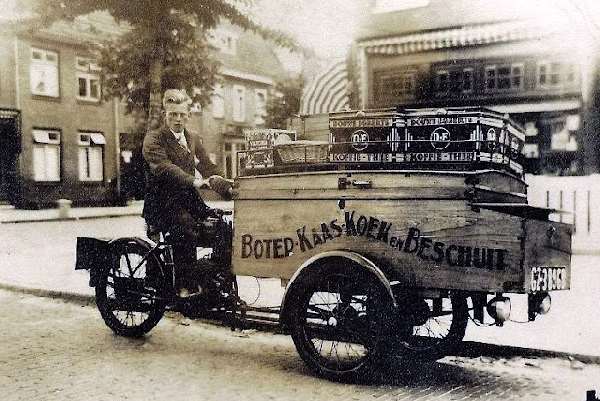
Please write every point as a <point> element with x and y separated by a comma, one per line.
<point>548,278</point>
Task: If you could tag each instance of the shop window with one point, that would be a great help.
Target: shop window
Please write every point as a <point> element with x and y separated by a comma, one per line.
<point>454,81</point>
<point>441,81</point>
<point>46,155</point>
<point>88,79</point>
<point>239,103</point>
<point>504,77</point>
<point>395,85</point>
<point>43,73</point>
<point>467,80</point>
<point>218,102</point>
<point>91,156</point>
<point>260,97</point>
<point>555,75</point>
<point>230,149</point>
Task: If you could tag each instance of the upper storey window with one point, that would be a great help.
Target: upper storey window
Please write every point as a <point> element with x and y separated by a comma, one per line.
<point>503,77</point>
<point>552,75</point>
<point>43,72</point>
<point>225,40</point>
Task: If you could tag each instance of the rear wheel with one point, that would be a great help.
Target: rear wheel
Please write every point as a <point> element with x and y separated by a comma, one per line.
<point>431,328</point>
<point>338,322</point>
<point>126,291</point>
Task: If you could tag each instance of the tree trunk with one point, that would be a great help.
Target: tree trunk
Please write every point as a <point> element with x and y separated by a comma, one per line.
<point>156,72</point>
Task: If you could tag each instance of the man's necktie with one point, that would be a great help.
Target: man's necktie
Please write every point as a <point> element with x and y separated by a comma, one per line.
<point>183,142</point>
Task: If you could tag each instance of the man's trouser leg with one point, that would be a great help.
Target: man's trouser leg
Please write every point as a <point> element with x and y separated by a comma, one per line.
<point>184,239</point>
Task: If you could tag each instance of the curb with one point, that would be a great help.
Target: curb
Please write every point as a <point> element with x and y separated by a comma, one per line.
<point>67,296</point>
<point>475,349</point>
<point>469,349</point>
<point>73,218</point>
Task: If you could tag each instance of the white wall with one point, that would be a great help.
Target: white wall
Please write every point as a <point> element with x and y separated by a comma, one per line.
<point>580,196</point>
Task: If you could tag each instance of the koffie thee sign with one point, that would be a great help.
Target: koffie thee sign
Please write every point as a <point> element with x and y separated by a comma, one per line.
<point>441,139</point>
<point>355,224</point>
<point>398,139</point>
<point>360,139</point>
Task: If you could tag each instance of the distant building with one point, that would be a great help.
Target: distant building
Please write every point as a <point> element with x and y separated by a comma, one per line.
<point>57,136</point>
<point>249,70</point>
<point>60,139</point>
<point>435,53</point>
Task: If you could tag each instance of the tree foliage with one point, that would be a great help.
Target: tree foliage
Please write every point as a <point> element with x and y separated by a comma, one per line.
<point>165,47</point>
<point>285,104</point>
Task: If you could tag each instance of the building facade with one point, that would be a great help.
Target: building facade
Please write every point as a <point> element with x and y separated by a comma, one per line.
<point>58,136</point>
<point>60,139</point>
<point>247,77</point>
<point>536,67</point>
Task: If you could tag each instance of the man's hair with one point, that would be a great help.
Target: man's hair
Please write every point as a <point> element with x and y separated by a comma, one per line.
<point>176,96</point>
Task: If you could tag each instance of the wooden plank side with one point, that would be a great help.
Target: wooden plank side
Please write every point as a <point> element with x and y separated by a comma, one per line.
<point>329,180</point>
<point>501,182</point>
<point>428,244</point>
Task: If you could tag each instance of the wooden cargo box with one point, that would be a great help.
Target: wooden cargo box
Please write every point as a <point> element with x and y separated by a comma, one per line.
<point>423,229</point>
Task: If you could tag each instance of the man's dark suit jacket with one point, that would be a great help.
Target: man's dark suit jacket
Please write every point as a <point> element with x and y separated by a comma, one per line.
<point>170,173</point>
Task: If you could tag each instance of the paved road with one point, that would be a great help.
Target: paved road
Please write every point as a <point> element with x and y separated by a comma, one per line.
<point>53,350</point>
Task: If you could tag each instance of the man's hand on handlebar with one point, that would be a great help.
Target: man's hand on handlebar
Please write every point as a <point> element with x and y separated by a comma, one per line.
<point>221,186</point>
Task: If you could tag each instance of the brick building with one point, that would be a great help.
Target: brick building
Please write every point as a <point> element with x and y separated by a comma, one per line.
<point>60,139</point>
<point>539,67</point>
<point>57,134</point>
<point>249,70</point>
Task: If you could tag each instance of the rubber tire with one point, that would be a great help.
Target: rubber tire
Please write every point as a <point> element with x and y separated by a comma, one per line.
<point>109,318</point>
<point>460,318</point>
<point>300,296</point>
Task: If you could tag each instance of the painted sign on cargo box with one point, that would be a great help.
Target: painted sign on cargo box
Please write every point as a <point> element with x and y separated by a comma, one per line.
<point>308,239</point>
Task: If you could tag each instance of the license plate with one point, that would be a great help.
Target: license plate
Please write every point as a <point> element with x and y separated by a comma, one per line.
<point>548,278</point>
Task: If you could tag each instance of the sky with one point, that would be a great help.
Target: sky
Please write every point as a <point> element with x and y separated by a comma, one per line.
<point>324,25</point>
<point>328,25</point>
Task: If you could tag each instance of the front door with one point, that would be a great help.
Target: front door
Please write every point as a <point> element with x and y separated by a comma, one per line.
<point>10,147</point>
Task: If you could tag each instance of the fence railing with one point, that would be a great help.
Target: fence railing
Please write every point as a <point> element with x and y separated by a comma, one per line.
<point>580,196</point>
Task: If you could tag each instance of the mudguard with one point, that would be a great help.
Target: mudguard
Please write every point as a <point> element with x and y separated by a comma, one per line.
<point>353,258</point>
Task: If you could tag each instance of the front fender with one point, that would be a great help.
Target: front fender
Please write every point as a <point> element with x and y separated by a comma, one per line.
<point>353,258</point>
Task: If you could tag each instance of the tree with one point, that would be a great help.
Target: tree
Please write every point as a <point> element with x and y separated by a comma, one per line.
<point>286,102</point>
<point>165,47</point>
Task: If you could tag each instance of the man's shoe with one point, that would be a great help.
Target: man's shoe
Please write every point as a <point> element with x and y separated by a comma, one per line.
<point>186,293</point>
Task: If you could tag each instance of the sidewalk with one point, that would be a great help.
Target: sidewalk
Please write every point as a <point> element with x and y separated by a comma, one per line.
<point>9,214</point>
<point>30,262</point>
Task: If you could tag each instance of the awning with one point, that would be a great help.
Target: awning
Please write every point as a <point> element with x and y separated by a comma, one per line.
<point>49,137</point>
<point>97,139</point>
<point>559,105</point>
<point>458,37</point>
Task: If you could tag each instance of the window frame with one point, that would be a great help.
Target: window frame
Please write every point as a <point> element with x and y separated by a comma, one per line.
<point>239,115</point>
<point>259,119</point>
<point>43,64</point>
<point>89,74</point>
<point>510,76</point>
<point>93,141</point>
<point>218,93</point>
<point>565,70</point>
<point>235,145</point>
<point>41,138</point>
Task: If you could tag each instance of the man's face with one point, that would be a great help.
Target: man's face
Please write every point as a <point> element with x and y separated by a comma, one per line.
<point>176,116</point>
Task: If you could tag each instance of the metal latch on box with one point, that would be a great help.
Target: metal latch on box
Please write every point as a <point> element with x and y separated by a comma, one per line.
<point>344,182</point>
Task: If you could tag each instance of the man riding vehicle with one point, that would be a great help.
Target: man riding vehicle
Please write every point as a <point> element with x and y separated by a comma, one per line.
<point>176,167</point>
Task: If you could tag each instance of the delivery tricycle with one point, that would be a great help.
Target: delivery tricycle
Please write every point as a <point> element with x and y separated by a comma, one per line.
<point>390,232</point>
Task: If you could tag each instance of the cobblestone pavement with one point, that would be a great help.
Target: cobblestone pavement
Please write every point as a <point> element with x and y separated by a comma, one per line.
<point>53,350</point>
